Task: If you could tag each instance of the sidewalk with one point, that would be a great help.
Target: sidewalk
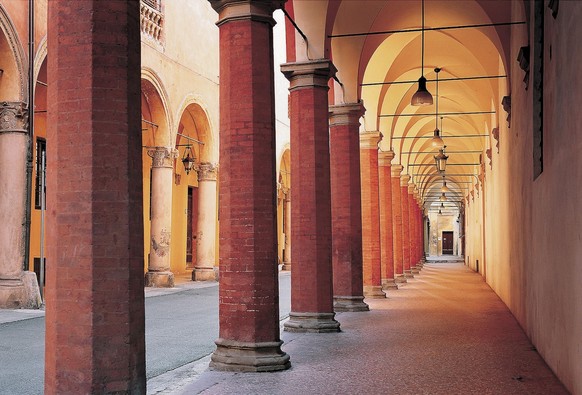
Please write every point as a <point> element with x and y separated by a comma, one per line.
<point>445,332</point>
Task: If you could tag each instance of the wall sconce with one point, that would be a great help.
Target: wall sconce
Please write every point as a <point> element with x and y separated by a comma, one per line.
<point>187,160</point>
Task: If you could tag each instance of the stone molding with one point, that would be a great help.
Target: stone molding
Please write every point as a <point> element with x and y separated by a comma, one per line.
<point>346,114</point>
<point>254,10</point>
<point>404,179</point>
<point>236,356</point>
<point>162,157</point>
<point>396,170</point>
<point>13,117</point>
<point>411,188</point>
<point>207,171</point>
<point>309,74</point>
<point>385,158</point>
<point>370,140</point>
<point>312,323</point>
<point>9,30</point>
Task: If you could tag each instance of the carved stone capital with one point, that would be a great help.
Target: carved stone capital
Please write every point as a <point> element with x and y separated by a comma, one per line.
<point>346,114</point>
<point>396,170</point>
<point>255,10</point>
<point>207,172</point>
<point>309,74</point>
<point>13,117</point>
<point>370,140</point>
<point>162,156</point>
<point>495,133</point>
<point>506,103</point>
<point>404,179</point>
<point>385,158</point>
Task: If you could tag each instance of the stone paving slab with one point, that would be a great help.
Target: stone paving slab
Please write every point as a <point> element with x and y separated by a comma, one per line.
<point>446,332</point>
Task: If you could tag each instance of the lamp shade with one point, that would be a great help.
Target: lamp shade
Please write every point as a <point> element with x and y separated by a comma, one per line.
<point>422,96</point>
<point>437,142</point>
<point>445,188</point>
<point>443,197</point>
<point>441,161</point>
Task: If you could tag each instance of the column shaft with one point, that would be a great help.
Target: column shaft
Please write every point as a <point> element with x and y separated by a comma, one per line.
<point>206,232</point>
<point>18,288</point>
<point>94,339</point>
<point>405,226</point>
<point>287,231</point>
<point>413,230</point>
<point>346,207</point>
<point>397,224</point>
<point>311,277</point>
<point>159,273</point>
<point>386,220</point>
<point>371,215</point>
<point>249,290</point>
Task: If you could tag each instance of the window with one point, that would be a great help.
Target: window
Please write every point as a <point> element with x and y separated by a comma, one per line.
<point>40,171</point>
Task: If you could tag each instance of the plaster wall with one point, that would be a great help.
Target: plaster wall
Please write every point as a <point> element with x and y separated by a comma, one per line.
<point>438,225</point>
<point>533,236</point>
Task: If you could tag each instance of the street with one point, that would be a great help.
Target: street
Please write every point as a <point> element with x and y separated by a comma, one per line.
<point>181,326</point>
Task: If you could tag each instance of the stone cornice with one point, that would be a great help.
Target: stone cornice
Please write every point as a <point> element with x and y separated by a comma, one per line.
<point>309,74</point>
<point>256,10</point>
<point>370,140</point>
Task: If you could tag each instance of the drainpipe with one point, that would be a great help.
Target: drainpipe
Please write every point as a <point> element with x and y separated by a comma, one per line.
<point>27,214</point>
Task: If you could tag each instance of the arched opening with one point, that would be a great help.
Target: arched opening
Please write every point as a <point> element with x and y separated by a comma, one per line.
<point>195,196</point>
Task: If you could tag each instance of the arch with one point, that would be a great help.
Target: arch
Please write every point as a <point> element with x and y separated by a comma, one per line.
<point>12,61</point>
<point>154,87</point>
<point>194,115</point>
<point>40,58</point>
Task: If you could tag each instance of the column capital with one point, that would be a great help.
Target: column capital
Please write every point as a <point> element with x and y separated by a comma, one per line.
<point>370,140</point>
<point>13,117</point>
<point>207,171</point>
<point>404,180</point>
<point>255,10</point>
<point>346,114</point>
<point>162,156</point>
<point>309,74</point>
<point>411,188</point>
<point>385,158</point>
<point>396,170</point>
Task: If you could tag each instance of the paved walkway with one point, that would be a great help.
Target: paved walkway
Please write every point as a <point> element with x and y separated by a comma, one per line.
<point>445,332</point>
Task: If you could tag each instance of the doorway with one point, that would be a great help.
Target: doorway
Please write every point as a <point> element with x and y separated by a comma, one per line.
<point>191,227</point>
<point>447,243</point>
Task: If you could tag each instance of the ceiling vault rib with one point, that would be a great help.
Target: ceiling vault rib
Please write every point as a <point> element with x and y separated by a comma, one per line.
<point>476,77</point>
<point>454,27</point>
<point>430,137</point>
<point>442,113</point>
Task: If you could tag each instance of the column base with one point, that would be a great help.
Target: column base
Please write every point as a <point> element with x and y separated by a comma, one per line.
<point>159,279</point>
<point>408,274</point>
<point>312,323</point>
<point>374,292</point>
<point>235,356</point>
<point>415,270</point>
<point>20,293</point>
<point>389,283</point>
<point>203,274</point>
<point>286,266</point>
<point>400,279</point>
<point>343,304</point>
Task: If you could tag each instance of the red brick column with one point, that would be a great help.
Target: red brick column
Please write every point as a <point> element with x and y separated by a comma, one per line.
<point>413,229</point>
<point>311,277</point>
<point>249,291</point>
<point>386,226</point>
<point>94,293</point>
<point>405,226</point>
<point>397,224</point>
<point>371,215</point>
<point>346,209</point>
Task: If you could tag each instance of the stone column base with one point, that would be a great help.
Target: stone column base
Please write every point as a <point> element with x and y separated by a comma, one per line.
<point>415,270</point>
<point>20,293</point>
<point>374,292</point>
<point>389,283</point>
<point>203,274</point>
<point>312,323</point>
<point>235,356</point>
<point>408,274</point>
<point>159,279</point>
<point>400,279</point>
<point>349,304</point>
<point>286,266</point>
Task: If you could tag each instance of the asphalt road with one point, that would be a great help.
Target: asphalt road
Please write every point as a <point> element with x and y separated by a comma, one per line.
<point>180,328</point>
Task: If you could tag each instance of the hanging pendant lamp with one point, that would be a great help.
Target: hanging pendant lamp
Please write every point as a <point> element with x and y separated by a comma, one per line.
<point>437,141</point>
<point>444,187</point>
<point>422,97</point>
<point>440,212</point>
<point>441,160</point>
<point>443,197</point>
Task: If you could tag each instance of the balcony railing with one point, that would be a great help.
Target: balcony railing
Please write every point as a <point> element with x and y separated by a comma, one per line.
<point>152,19</point>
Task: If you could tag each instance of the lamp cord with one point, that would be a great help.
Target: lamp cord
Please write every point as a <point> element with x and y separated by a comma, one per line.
<point>436,114</point>
<point>422,34</point>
